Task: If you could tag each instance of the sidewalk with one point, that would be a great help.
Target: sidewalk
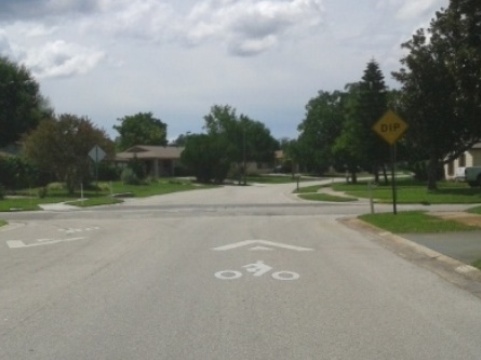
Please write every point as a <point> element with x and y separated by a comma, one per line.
<point>63,206</point>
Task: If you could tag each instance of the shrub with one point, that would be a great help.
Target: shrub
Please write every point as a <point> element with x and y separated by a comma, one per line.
<point>55,186</point>
<point>138,168</point>
<point>42,192</point>
<point>108,172</point>
<point>129,177</point>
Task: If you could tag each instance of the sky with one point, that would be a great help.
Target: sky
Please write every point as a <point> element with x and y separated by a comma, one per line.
<point>106,59</point>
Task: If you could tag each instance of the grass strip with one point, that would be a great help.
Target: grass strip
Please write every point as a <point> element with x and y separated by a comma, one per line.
<point>96,202</point>
<point>56,194</point>
<point>3,223</point>
<point>411,192</point>
<point>309,189</point>
<point>477,264</point>
<point>475,210</point>
<point>414,222</point>
<point>326,197</point>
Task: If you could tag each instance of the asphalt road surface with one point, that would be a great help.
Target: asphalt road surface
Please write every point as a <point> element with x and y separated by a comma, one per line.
<point>231,273</point>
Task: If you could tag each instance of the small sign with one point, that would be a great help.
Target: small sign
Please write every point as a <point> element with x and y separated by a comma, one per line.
<point>97,154</point>
<point>390,127</point>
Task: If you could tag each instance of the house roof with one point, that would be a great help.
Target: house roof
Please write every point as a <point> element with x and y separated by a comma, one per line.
<point>150,152</point>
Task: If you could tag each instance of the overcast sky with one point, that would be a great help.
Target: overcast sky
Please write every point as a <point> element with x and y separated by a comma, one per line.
<point>106,59</point>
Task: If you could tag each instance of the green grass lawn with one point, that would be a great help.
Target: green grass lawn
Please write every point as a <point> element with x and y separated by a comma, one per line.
<point>326,197</point>
<point>414,222</point>
<point>411,192</point>
<point>26,200</point>
<point>275,179</point>
<point>104,200</point>
<point>29,203</point>
<point>475,210</point>
<point>310,189</point>
<point>477,264</point>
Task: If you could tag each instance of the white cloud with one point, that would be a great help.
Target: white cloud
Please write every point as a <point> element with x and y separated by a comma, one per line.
<point>142,19</point>
<point>62,59</point>
<point>38,30</point>
<point>415,8</point>
<point>249,27</point>
<point>5,47</point>
<point>243,27</point>
<point>411,9</point>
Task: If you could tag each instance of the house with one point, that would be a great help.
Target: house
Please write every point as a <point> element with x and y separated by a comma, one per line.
<point>454,170</point>
<point>158,161</point>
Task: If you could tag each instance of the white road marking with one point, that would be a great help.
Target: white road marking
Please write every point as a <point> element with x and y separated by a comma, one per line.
<point>17,244</point>
<point>285,275</point>
<point>71,230</point>
<point>257,269</point>
<point>260,248</point>
<point>464,269</point>
<point>262,242</point>
<point>228,275</point>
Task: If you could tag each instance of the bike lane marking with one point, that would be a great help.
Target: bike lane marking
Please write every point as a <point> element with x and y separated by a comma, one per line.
<point>18,244</point>
<point>266,244</point>
<point>257,269</point>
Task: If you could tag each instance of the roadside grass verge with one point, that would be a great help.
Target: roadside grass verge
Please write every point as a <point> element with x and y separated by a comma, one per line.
<point>310,189</point>
<point>159,187</point>
<point>477,264</point>
<point>270,179</point>
<point>275,179</point>
<point>3,223</point>
<point>412,192</point>
<point>26,201</point>
<point>96,202</point>
<point>475,210</point>
<point>414,222</point>
<point>326,197</point>
<point>29,203</point>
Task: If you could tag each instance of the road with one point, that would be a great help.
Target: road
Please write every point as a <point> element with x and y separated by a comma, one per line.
<point>229,273</point>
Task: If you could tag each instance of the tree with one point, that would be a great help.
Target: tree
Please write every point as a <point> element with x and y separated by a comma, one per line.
<point>441,86</point>
<point>61,146</point>
<point>206,157</point>
<point>319,130</point>
<point>244,139</point>
<point>370,103</point>
<point>347,147</point>
<point>181,140</point>
<point>141,129</point>
<point>21,105</point>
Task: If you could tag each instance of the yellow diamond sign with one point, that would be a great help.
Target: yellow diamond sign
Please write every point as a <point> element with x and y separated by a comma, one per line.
<point>390,127</point>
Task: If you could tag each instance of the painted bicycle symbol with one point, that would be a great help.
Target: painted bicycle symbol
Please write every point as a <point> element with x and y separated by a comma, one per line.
<point>257,269</point>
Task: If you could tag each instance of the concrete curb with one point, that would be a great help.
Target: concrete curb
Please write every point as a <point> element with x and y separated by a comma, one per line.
<point>456,272</point>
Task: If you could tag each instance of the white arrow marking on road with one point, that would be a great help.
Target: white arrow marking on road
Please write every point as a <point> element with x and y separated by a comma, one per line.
<point>17,244</point>
<point>260,248</point>
<point>262,242</point>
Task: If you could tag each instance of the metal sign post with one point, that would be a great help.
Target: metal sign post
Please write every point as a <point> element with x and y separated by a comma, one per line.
<point>97,154</point>
<point>391,127</point>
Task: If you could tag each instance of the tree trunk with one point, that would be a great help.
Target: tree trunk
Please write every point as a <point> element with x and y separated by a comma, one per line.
<point>384,171</point>
<point>432,172</point>
<point>375,171</point>
<point>354,177</point>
